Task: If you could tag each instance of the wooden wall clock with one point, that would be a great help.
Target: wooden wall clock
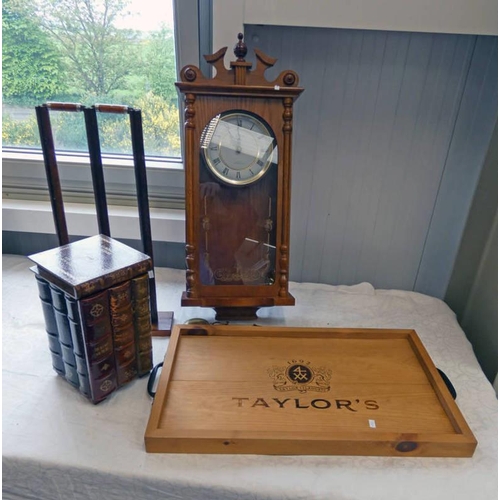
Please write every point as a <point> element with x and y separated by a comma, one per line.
<point>237,152</point>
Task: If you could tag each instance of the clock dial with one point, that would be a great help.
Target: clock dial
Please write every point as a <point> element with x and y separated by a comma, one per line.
<point>238,147</point>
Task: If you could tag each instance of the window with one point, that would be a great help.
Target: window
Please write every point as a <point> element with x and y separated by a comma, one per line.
<point>97,51</point>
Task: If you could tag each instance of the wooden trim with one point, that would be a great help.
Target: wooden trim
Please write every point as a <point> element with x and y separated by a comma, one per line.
<point>191,196</point>
<point>162,388</point>
<point>442,392</point>
<point>257,301</point>
<point>240,90</point>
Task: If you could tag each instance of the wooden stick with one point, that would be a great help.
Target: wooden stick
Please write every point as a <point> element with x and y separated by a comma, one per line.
<point>112,108</point>
<point>142,198</point>
<point>52,173</point>
<point>64,106</point>
<point>96,168</point>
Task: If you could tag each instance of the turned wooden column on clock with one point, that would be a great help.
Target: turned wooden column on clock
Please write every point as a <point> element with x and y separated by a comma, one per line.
<point>238,151</point>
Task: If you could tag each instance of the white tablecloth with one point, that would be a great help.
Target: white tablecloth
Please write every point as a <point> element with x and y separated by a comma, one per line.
<point>59,446</point>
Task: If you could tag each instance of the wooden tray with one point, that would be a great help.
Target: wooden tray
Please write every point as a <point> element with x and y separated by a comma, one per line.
<point>303,391</point>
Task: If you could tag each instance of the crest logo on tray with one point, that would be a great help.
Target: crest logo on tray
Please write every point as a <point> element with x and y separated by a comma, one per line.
<point>300,376</point>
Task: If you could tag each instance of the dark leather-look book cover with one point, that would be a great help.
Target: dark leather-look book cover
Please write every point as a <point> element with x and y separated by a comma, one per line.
<point>86,266</point>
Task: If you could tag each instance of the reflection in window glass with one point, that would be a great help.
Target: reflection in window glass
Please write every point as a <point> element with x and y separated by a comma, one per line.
<point>100,51</point>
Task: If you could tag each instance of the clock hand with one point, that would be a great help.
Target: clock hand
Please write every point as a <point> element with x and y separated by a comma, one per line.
<point>238,146</point>
<point>235,138</point>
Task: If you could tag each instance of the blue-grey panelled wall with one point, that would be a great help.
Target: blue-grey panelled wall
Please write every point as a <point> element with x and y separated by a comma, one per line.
<point>390,137</point>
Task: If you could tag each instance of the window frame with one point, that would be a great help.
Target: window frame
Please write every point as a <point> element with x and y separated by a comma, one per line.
<point>23,175</point>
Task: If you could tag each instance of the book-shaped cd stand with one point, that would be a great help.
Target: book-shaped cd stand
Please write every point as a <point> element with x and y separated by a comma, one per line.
<point>96,306</point>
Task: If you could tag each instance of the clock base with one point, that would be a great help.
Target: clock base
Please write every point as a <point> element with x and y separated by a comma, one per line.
<point>163,327</point>
<point>227,310</point>
<point>235,313</point>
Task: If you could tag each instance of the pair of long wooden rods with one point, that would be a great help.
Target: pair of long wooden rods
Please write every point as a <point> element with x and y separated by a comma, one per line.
<point>141,182</point>
<point>52,172</point>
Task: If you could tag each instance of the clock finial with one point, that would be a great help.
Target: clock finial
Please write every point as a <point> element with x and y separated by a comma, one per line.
<point>240,49</point>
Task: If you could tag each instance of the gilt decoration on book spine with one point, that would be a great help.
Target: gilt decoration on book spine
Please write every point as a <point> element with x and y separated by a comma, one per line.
<point>97,342</point>
<point>122,323</point>
<point>142,324</point>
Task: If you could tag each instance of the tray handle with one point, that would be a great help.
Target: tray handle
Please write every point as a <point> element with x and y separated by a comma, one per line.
<point>152,379</point>
<point>448,383</point>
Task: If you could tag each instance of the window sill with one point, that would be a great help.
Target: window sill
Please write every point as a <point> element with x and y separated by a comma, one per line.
<point>82,158</point>
<point>24,178</point>
<point>36,217</point>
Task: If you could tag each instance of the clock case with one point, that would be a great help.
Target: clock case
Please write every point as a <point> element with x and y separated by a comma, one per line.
<point>238,88</point>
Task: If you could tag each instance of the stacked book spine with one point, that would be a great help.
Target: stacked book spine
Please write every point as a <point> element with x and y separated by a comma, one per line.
<point>122,326</point>
<point>100,342</point>
<point>142,324</point>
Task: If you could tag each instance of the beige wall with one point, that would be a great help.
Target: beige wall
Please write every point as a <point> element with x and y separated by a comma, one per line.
<point>473,288</point>
<point>441,16</point>
<point>480,318</point>
<point>472,291</point>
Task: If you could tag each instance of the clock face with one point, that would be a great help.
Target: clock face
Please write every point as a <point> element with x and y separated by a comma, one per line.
<point>239,147</point>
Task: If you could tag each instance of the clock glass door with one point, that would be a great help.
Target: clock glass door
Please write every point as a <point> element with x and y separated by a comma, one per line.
<point>238,176</point>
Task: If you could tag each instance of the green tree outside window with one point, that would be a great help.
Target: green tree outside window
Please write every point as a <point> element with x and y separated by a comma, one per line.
<point>74,50</point>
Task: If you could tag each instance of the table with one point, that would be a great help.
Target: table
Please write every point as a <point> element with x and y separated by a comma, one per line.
<point>57,445</point>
